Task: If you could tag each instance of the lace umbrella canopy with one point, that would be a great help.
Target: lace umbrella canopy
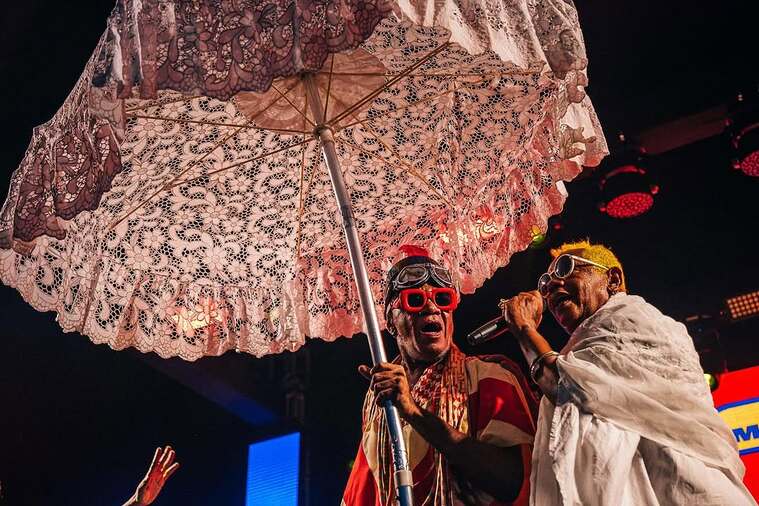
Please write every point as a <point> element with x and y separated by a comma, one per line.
<point>178,203</point>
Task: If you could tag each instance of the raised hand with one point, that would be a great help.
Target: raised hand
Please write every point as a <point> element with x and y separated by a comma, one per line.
<point>523,310</point>
<point>161,469</point>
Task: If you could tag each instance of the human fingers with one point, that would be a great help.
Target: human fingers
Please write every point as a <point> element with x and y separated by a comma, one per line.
<point>385,385</point>
<point>167,451</point>
<point>390,394</point>
<point>169,459</point>
<point>386,367</point>
<point>156,457</point>
<point>380,377</point>
<point>171,470</point>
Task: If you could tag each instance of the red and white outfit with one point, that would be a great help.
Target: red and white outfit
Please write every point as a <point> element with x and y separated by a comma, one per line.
<point>485,397</point>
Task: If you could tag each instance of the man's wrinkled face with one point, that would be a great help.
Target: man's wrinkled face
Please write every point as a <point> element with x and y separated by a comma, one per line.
<point>425,336</point>
<point>572,299</point>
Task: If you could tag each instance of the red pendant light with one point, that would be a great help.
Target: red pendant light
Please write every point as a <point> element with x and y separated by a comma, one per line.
<point>626,189</point>
<point>743,127</point>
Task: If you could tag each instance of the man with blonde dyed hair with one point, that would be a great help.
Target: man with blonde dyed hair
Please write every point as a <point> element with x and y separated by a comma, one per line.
<point>595,252</point>
<point>626,417</point>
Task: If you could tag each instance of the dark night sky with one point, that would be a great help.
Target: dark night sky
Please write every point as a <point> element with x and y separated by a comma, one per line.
<point>78,422</point>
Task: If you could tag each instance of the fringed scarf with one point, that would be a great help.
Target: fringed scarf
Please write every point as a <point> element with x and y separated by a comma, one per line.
<point>442,389</point>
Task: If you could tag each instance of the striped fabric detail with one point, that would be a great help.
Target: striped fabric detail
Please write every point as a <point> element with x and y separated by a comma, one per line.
<point>361,488</point>
<point>500,412</point>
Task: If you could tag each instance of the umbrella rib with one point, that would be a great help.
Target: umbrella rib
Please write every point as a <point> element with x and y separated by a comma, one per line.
<point>293,106</point>
<point>176,183</point>
<point>424,100</point>
<point>302,199</point>
<point>305,104</point>
<point>193,97</point>
<point>399,109</point>
<point>308,187</point>
<point>409,168</point>
<point>270,104</point>
<point>168,184</point>
<point>300,190</point>
<point>405,164</point>
<point>421,61</point>
<point>329,84</point>
<point>196,161</point>
<point>217,123</point>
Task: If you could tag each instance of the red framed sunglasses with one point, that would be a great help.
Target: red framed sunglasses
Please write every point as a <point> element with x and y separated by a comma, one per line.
<point>413,300</point>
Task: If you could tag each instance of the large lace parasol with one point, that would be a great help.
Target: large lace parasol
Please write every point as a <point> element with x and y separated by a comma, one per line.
<point>176,203</point>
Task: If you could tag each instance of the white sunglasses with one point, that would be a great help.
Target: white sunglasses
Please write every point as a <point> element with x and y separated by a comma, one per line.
<point>563,266</point>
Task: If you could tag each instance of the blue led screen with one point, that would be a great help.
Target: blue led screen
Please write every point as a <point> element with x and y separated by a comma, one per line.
<point>273,467</point>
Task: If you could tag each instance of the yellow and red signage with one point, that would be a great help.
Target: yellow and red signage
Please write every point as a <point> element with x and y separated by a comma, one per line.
<point>737,401</point>
<point>743,418</point>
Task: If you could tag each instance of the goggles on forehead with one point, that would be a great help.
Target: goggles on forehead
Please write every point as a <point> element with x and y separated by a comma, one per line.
<point>419,274</point>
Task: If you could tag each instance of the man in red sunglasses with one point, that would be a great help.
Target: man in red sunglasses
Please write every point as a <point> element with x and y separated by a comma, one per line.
<point>468,421</point>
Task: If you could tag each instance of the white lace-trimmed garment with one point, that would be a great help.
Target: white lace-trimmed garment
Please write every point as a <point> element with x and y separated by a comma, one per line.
<point>634,422</point>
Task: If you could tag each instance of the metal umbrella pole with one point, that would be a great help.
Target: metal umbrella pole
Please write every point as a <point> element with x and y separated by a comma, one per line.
<point>403,479</point>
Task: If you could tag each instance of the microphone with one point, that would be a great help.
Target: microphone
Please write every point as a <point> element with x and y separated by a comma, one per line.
<point>488,331</point>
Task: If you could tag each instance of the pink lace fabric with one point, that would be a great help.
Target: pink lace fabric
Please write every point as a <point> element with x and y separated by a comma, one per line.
<point>178,203</point>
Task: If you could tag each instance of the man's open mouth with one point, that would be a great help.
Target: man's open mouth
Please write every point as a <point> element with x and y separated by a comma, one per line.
<point>431,327</point>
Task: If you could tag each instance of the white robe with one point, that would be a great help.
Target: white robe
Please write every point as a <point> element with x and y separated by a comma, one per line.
<point>634,422</point>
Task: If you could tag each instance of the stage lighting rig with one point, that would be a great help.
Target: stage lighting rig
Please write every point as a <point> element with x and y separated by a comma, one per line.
<point>626,188</point>
<point>743,128</point>
<point>743,306</point>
